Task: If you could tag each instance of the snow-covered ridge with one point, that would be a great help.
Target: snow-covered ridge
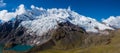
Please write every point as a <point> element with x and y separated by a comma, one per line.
<point>113,21</point>
<point>39,20</point>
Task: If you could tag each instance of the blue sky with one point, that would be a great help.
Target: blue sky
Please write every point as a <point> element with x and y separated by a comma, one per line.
<point>97,9</point>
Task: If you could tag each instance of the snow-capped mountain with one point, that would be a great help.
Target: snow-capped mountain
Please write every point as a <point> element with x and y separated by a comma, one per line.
<point>41,20</point>
<point>36,26</point>
<point>113,21</point>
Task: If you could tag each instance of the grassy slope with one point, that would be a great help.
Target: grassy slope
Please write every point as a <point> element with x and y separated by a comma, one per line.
<point>113,47</point>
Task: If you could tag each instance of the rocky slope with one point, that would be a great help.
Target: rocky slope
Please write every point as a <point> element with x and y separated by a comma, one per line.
<point>112,47</point>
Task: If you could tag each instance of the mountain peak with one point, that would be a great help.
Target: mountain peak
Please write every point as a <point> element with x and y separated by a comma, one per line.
<point>113,21</point>
<point>47,18</point>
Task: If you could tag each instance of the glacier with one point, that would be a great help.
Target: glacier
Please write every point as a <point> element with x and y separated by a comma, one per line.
<point>38,20</point>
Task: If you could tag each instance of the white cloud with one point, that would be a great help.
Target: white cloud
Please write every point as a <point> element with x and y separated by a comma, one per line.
<point>6,16</point>
<point>20,10</point>
<point>2,4</point>
<point>32,6</point>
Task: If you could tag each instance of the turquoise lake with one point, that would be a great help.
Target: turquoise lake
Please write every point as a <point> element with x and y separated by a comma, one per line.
<point>19,48</point>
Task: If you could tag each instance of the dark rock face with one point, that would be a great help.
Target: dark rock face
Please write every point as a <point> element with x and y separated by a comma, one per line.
<point>66,36</point>
<point>11,31</point>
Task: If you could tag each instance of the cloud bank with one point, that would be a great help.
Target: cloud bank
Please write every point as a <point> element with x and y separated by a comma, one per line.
<point>6,16</point>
